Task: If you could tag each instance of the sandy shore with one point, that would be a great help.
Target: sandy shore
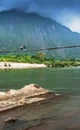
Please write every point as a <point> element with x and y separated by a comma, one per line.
<point>15,65</point>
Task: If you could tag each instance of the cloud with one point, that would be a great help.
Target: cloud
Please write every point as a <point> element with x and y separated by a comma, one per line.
<point>67,12</point>
<point>70,18</point>
<point>74,24</point>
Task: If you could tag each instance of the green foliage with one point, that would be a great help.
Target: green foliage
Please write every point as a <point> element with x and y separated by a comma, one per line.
<point>39,58</point>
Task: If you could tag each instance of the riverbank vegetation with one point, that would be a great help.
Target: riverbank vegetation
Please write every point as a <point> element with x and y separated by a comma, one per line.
<point>39,58</point>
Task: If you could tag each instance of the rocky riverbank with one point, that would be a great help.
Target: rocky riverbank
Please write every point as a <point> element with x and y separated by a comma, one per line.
<point>29,94</point>
<point>16,104</point>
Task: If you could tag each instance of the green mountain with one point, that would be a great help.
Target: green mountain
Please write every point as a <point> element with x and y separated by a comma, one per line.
<point>35,32</point>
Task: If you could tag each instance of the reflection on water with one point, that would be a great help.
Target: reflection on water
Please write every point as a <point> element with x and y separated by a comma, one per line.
<point>62,114</point>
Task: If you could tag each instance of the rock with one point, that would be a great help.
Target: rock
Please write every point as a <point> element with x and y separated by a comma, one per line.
<point>28,94</point>
<point>10,120</point>
<point>36,86</point>
<point>58,95</point>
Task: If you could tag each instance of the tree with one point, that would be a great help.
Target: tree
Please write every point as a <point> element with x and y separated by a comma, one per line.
<point>40,56</point>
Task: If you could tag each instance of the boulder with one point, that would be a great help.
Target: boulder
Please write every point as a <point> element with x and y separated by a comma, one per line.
<point>28,94</point>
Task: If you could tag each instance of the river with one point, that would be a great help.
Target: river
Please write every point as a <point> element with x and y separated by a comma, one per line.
<point>60,79</point>
<point>63,114</point>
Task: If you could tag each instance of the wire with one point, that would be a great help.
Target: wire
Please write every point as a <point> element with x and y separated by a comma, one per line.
<point>42,49</point>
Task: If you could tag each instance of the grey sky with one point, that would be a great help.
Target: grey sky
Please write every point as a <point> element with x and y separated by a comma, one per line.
<point>67,12</point>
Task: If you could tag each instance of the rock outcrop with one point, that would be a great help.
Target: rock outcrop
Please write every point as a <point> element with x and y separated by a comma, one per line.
<point>29,94</point>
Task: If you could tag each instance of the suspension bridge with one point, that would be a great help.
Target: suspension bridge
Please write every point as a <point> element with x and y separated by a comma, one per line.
<point>41,49</point>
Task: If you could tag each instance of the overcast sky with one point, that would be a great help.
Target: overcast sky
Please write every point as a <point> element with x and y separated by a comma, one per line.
<point>67,12</point>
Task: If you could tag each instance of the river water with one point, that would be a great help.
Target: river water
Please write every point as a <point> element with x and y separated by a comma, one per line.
<point>63,80</point>
<point>63,114</point>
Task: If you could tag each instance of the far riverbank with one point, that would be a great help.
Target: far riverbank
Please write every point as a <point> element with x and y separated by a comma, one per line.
<point>35,61</point>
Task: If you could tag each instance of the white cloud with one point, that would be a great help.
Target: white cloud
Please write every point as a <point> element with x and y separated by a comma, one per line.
<point>74,24</point>
<point>70,19</point>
